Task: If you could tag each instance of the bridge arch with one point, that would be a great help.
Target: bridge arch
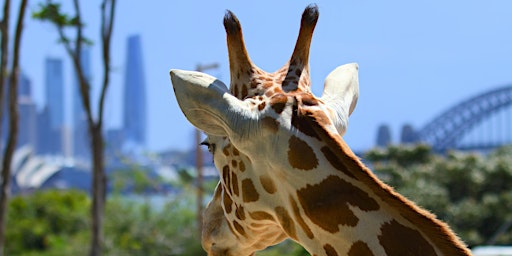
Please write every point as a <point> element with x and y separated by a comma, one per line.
<point>447,129</point>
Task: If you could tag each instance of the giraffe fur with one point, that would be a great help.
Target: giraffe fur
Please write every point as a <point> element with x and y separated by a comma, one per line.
<point>285,171</point>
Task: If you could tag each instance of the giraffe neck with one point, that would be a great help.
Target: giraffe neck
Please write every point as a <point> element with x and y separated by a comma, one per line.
<point>323,197</point>
<point>286,172</point>
<point>360,215</point>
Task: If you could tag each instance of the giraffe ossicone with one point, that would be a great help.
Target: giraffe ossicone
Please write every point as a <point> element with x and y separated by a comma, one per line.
<point>285,171</point>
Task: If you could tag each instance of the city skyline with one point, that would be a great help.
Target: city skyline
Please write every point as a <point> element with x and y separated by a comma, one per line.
<point>46,131</point>
<point>416,59</point>
<point>134,100</point>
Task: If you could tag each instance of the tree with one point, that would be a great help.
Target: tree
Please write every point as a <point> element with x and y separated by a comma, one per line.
<point>12,105</point>
<point>471,192</point>
<point>51,12</point>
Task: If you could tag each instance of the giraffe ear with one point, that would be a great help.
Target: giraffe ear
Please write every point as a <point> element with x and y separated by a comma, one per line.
<point>341,91</point>
<point>207,103</point>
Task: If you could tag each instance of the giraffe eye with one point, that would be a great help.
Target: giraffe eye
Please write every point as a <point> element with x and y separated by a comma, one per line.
<point>211,147</point>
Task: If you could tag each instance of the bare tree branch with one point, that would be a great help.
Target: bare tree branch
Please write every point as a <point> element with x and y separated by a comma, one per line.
<point>51,12</point>
<point>13,123</point>
<point>106,34</point>
<point>4,31</point>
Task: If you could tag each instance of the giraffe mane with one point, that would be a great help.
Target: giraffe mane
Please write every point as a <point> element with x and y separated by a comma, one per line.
<point>436,231</point>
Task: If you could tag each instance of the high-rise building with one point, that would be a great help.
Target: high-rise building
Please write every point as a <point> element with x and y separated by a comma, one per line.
<point>383,136</point>
<point>134,118</point>
<point>27,113</point>
<point>408,135</point>
<point>51,123</point>
<point>81,145</point>
<point>54,83</point>
<point>46,139</point>
<point>24,86</point>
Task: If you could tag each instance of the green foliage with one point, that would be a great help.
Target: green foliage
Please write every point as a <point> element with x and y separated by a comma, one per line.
<point>134,178</point>
<point>143,229</point>
<point>54,223</point>
<point>469,191</point>
<point>287,247</point>
<point>50,11</point>
<point>47,222</point>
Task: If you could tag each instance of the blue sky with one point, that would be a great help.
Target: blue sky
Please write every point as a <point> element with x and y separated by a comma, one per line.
<point>416,58</point>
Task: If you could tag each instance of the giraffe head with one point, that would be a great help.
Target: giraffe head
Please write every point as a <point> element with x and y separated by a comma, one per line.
<point>285,170</point>
<point>254,131</point>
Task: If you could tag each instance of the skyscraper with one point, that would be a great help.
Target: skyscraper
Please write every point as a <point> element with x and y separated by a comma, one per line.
<point>383,136</point>
<point>27,113</point>
<point>134,118</point>
<point>54,83</point>
<point>51,120</point>
<point>81,145</point>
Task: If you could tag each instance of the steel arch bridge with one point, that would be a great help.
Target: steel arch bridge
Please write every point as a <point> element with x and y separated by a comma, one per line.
<point>447,130</point>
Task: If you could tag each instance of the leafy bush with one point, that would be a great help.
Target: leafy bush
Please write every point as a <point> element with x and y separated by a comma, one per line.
<point>47,222</point>
<point>143,229</point>
<point>469,191</point>
<point>57,223</point>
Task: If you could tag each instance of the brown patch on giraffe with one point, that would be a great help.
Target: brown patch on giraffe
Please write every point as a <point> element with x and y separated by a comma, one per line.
<point>241,166</point>
<point>254,84</point>
<point>239,228</point>
<point>226,178</point>
<point>335,162</point>
<point>234,183</point>
<point>268,83</point>
<point>286,222</point>
<point>261,106</point>
<point>225,150</point>
<point>236,152</point>
<point>301,155</point>
<point>270,123</point>
<point>228,203</point>
<point>261,215</point>
<point>278,102</point>
<point>234,89</point>
<point>326,203</point>
<point>301,122</point>
<point>249,192</point>
<point>232,230</point>
<point>240,213</point>
<point>300,220</point>
<point>244,92</point>
<point>234,163</point>
<point>268,184</point>
<point>309,100</point>
<point>330,251</point>
<point>360,248</point>
<point>397,239</point>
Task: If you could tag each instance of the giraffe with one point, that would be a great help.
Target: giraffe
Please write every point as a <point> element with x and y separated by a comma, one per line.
<point>285,171</point>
